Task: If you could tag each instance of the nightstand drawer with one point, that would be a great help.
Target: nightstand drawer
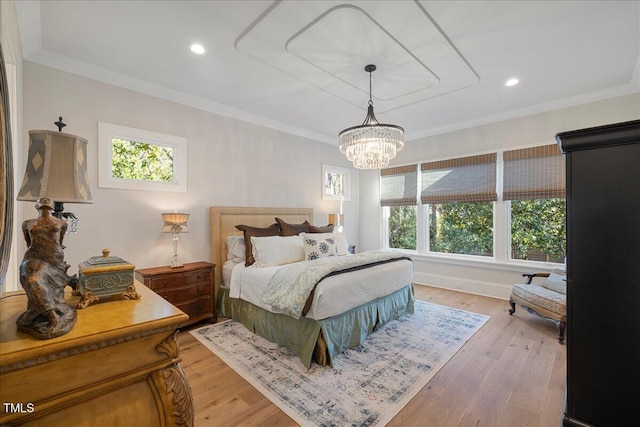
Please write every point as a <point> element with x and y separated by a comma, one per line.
<point>177,295</point>
<point>179,279</point>
<point>190,288</point>
<point>197,309</point>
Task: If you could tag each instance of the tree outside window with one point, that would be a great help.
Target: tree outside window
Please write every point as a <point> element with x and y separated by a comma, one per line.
<point>461,228</point>
<point>141,161</point>
<point>538,230</point>
<point>402,227</point>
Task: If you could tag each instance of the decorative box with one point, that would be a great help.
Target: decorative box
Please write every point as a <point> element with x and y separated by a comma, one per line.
<point>105,276</point>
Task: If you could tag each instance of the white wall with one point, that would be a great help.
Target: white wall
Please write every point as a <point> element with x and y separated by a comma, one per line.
<point>233,163</point>
<point>230,163</point>
<point>483,278</point>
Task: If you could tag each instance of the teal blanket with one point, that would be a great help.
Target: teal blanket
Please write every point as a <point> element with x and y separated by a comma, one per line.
<point>289,289</point>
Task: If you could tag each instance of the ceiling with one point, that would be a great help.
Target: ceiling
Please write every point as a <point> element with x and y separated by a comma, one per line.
<point>298,66</point>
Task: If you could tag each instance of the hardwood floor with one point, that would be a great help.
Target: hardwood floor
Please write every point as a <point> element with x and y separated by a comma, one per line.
<point>510,373</point>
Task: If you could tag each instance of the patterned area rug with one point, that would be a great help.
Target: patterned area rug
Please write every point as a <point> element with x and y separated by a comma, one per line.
<point>368,385</point>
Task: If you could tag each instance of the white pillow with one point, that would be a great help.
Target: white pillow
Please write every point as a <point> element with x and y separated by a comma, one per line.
<point>341,241</point>
<point>236,251</point>
<point>277,250</point>
<point>316,246</point>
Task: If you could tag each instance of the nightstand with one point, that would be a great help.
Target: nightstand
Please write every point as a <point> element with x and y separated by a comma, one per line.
<point>190,288</point>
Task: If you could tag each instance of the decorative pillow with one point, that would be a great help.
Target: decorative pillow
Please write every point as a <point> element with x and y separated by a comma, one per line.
<point>249,231</point>
<point>236,251</point>
<point>287,229</point>
<point>557,282</point>
<point>277,250</point>
<point>325,229</point>
<point>317,246</point>
<point>342,246</point>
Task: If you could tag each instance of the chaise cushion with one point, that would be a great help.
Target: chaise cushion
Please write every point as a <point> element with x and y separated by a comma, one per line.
<point>557,281</point>
<point>543,297</point>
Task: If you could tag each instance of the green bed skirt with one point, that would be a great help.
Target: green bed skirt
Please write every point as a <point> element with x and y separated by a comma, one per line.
<point>341,332</point>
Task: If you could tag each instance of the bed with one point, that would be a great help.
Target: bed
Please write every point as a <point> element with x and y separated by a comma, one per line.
<point>376,293</point>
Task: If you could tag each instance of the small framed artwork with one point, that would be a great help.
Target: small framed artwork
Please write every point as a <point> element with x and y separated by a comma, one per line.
<point>336,183</point>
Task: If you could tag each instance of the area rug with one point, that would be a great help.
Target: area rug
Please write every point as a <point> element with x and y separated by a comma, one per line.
<point>368,385</point>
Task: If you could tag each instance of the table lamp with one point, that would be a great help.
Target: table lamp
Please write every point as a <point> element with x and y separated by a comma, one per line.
<point>56,173</point>
<point>175,223</point>
<point>338,221</point>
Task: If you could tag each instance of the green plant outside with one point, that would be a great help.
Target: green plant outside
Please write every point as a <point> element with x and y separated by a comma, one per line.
<point>462,228</point>
<point>538,228</point>
<point>402,227</point>
<point>141,161</point>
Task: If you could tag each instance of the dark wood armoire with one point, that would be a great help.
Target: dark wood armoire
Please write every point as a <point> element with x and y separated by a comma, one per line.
<point>603,275</point>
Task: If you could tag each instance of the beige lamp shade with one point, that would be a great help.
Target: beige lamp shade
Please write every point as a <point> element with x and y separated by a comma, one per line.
<point>56,168</point>
<point>175,223</point>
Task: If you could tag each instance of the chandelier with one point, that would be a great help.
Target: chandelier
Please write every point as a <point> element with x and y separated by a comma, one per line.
<point>371,145</point>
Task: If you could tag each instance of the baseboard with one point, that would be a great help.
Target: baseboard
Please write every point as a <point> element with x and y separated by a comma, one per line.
<point>475,287</point>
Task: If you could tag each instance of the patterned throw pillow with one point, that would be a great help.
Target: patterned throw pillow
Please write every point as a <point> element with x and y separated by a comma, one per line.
<point>315,248</point>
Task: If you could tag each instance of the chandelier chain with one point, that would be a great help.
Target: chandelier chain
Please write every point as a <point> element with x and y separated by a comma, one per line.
<point>370,96</point>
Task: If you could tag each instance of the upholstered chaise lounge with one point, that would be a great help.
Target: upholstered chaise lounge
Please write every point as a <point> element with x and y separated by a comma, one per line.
<point>547,299</point>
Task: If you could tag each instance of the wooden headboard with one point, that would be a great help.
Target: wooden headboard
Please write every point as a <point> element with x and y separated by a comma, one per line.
<point>223,221</point>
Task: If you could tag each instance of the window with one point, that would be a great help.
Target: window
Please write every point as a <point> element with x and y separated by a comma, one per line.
<point>137,159</point>
<point>398,194</point>
<point>141,161</point>
<point>402,227</point>
<point>461,228</point>
<point>538,230</point>
<point>459,194</point>
<point>534,182</point>
<point>460,198</point>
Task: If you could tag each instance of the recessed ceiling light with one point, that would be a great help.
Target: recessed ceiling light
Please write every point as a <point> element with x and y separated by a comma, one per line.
<point>197,48</point>
<point>512,82</point>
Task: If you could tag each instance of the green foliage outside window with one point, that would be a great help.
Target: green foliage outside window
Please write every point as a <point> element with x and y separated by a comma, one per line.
<point>461,228</point>
<point>402,227</point>
<point>538,230</point>
<point>141,161</point>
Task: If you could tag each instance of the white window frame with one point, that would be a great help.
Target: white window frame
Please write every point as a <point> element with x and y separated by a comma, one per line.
<point>108,131</point>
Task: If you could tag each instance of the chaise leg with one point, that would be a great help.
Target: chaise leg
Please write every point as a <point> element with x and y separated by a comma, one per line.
<point>513,307</point>
<point>561,326</point>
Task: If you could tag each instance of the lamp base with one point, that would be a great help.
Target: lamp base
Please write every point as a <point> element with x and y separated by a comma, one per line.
<point>174,259</point>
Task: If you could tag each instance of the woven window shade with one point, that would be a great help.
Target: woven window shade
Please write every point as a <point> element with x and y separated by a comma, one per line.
<point>467,179</point>
<point>399,186</point>
<point>534,173</point>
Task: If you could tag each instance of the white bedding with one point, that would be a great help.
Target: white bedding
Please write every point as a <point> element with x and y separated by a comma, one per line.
<point>333,295</point>
<point>227,269</point>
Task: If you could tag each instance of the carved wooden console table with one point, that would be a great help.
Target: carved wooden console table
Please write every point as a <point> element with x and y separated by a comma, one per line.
<point>119,365</point>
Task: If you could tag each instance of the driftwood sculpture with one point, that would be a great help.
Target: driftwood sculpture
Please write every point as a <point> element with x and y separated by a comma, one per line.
<point>43,275</point>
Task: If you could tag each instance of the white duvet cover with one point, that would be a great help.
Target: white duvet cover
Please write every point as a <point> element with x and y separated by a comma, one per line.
<point>333,295</point>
